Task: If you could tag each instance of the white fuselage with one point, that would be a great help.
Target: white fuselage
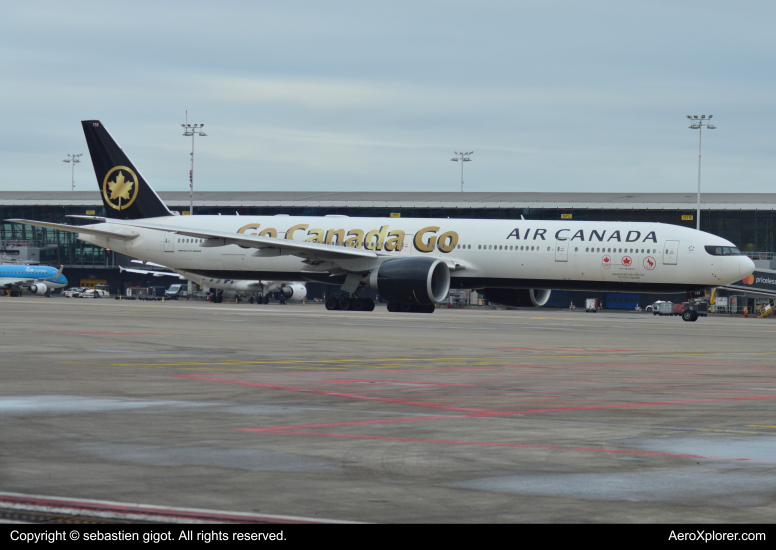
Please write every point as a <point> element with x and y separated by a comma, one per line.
<point>625,256</point>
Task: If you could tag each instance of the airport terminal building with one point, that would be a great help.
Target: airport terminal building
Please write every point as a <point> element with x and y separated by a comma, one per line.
<point>746,219</point>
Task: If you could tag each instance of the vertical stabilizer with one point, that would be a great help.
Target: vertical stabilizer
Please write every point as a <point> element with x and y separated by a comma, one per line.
<point>125,192</point>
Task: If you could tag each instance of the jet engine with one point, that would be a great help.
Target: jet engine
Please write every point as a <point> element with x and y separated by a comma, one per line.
<point>412,280</point>
<point>39,288</point>
<point>518,297</point>
<point>295,291</point>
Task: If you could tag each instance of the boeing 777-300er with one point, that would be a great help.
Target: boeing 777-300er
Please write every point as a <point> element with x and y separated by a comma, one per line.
<point>37,279</point>
<point>295,292</point>
<point>412,263</point>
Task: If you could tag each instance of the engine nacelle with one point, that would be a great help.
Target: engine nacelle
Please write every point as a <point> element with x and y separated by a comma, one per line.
<point>296,292</point>
<point>412,280</point>
<point>39,288</point>
<point>518,297</point>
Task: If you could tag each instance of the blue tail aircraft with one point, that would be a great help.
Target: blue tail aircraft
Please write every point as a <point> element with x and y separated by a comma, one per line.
<point>36,279</point>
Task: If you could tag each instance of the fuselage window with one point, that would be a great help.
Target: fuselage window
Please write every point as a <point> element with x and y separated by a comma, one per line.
<point>576,249</point>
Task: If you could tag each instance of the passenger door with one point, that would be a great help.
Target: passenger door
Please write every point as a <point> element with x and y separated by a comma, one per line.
<point>670,252</point>
<point>169,240</point>
<point>561,251</point>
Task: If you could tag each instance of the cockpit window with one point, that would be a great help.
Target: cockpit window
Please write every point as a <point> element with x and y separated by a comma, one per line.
<point>723,251</point>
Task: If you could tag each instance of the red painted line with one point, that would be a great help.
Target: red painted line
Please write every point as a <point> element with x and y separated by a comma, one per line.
<point>481,412</point>
<point>332,394</point>
<point>103,333</point>
<point>490,414</point>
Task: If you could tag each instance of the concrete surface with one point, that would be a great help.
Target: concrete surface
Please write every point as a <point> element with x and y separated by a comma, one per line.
<point>459,416</point>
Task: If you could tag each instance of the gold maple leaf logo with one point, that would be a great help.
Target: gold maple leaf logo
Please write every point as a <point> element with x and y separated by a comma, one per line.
<point>120,188</point>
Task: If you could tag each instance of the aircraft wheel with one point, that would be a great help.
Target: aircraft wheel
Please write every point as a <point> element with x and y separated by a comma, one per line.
<point>265,301</point>
<point>393,307</point>
<point>406,308</point>
<point>332,304</point>
<point>250,300</point>
<point>430,308</point>
<point>345,303</point>
<point>357,304</point>
<point>369,304</point>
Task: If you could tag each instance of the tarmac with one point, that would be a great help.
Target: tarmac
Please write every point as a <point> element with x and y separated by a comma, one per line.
<point>295,413</point>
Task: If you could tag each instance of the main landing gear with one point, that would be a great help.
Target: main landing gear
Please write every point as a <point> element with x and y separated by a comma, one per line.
<point>354,303</point>
<point>348,303</point>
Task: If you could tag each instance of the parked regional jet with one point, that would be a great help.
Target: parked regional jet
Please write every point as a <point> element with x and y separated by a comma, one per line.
<point>296,292</point>
<point>413,263</point>
<point>36,279</point>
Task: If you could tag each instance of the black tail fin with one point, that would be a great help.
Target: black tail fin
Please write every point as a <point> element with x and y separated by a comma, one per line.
<point>125,193</point>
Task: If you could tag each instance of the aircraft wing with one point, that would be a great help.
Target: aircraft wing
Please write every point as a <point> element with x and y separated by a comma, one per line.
<point>77,229</point>
<point>154,273</point>
<point>317,251</point>
<point>10,283</point>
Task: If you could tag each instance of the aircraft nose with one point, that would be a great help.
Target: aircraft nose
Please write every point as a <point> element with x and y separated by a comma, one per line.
<point>745,266</point>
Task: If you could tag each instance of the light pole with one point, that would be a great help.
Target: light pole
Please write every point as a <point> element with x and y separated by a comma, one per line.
<point>463,157</point>
<point>192,130</point>
<point>697,124</point>
<point>74,160</point>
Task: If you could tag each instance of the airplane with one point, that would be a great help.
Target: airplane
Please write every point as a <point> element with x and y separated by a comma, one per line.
<point>412,263</point>
<point>37,279</point>
<point>295,292</point>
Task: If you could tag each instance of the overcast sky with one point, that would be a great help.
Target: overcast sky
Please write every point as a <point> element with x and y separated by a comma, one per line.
<point>346,96</point>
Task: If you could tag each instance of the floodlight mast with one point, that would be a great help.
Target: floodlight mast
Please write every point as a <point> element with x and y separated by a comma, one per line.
<point>73,159</point>
<point>697,124</point>
<point>463,157</point>
<point>192,130</point>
